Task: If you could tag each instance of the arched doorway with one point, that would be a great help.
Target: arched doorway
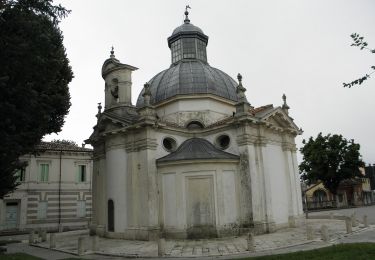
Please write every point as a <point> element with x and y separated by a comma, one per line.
<point>111,216</point>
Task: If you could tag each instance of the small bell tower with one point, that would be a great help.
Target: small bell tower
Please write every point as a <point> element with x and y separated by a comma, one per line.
<point>118,82</point>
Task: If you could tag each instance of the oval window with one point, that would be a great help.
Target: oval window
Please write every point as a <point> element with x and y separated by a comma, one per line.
<point>169,144</point>
<point>223,141</point>
<point>195,125</point>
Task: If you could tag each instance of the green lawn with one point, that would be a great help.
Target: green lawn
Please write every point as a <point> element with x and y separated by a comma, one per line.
<point>360,251</point>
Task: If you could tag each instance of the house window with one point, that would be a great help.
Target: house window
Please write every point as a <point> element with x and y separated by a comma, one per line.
<point>42,209</point>
<point>44,172</point>
<point>81,173</point>
<point>81,208</point>
<point>21,174</point>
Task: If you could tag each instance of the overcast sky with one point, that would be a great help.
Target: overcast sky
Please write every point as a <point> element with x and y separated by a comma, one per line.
<point>300,48</point>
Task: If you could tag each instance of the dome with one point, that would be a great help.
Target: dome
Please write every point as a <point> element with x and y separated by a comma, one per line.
<point>187,27</point>
<point>189,77</point>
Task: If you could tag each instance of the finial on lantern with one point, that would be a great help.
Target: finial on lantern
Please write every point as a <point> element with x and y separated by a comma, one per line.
<point>112,52</point>
<point>187,20</point>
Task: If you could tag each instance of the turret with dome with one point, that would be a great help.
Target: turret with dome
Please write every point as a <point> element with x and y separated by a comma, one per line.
<point>189,72</point>
<point>192,158</point>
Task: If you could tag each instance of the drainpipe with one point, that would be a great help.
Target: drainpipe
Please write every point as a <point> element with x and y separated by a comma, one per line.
<point>60,229</point>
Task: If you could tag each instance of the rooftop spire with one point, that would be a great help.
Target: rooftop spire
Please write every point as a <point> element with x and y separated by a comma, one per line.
<point>186,14</point>
<point>112,53</point>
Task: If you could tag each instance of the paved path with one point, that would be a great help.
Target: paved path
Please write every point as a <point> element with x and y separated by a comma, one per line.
<point>282,241</point>
<point>285,238</point>
<point>360,212</point>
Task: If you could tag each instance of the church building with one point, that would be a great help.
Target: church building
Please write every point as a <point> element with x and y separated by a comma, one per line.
<point>192,158</point>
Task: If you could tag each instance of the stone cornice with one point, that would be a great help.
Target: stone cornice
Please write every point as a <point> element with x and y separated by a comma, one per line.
<point>142,144</point>
<point>181,162</point>
<point>196,96</point>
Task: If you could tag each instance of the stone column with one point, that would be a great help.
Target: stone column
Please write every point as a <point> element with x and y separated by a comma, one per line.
<point>309,233</point>
<point>43,235</point>
<point>324,233</point>
<point>365,221</point>
<point>348,224</point>
<point>95,242</point>
<point>250,242</point>
<point>81,248</point>
<point>32,237</point>
<point>161,247</point>
<point>52,240</point>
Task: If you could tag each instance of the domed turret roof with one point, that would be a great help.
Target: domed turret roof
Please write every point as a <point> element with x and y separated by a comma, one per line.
<point>190,77</point>
<point>187,27</point>
<point>189,73</point>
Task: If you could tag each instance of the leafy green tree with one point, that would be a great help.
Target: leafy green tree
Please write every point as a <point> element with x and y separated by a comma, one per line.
<point>64,142</point>
<point>34,78</point>
<point>358,41</point>
<point>330,159</point>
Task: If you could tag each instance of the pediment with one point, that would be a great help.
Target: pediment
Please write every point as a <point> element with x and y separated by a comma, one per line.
<point>279,119</point>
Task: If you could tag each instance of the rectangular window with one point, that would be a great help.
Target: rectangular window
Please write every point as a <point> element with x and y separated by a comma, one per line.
<point>44,172</point>
<point>42,209</point>
<point>81,173</point>
<point>81,208</point>
<point>21,174</point>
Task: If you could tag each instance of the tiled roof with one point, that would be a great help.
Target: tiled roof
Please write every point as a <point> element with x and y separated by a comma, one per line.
<point>197,149</point>
<point>53,146</point>
<point>257,110</point>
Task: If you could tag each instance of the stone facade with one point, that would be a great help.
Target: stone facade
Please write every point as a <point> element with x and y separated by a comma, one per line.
<point>54,191</point>
<point>239,174</point>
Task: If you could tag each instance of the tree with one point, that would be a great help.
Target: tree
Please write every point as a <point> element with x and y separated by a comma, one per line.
<point>358,42</point>
<point>34,78</point>
<point>329,159</point>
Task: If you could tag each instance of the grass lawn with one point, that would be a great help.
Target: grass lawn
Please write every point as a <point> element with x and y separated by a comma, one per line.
<point>360,251</point>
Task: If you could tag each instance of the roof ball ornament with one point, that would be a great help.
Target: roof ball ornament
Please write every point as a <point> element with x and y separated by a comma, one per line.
<point>240,89</point>
<point>285,105</point>
<point>186,14</point>
<point>146,94</point>
<point>112,52</point>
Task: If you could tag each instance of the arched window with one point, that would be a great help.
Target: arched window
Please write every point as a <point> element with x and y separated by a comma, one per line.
<point>111,216</point>
<point>195,125</point>
<point>319,196</point>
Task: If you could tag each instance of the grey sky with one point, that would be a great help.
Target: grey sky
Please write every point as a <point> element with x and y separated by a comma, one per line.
<point>300,48</point>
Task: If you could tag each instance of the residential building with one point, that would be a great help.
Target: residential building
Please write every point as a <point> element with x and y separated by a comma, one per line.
<point>54,191</point>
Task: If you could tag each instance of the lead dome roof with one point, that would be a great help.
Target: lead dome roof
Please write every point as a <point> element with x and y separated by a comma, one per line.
<point>189,76</point>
